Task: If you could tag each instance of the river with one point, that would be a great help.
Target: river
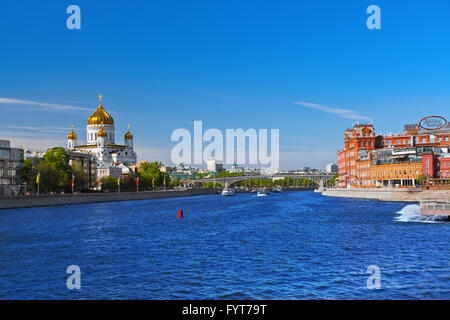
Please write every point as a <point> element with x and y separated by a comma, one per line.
<point>291,245</point>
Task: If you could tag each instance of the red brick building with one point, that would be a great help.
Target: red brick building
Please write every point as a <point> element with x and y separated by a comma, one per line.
<point>417,151</point>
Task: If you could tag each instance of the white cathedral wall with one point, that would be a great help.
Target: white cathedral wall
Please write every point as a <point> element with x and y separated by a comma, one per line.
<point>92,131</point>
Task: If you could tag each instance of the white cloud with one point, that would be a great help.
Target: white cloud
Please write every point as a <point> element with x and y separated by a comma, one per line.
<point>344,113</point>
<point>51,106</point>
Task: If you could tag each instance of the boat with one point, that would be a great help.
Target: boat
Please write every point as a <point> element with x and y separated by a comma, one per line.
<point>262,193</point>
<point>228,192</point>
<point>276,189</point>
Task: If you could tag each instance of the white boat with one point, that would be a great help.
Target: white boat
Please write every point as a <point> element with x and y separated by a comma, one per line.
<point>276,189</point>
<point>262,193</point>
<point>228,192</point>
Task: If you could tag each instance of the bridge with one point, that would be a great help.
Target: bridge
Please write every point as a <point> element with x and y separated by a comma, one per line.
<point>320,178</point>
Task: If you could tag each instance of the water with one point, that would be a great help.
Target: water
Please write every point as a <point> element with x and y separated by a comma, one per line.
<point>292,245</point>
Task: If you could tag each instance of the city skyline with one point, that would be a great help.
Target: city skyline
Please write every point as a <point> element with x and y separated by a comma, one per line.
<point>160,67</point>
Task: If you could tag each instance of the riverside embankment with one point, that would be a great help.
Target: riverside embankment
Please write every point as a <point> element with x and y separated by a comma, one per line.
<point>65,199</point>
<point>81,198</point>
<point>389,194</point>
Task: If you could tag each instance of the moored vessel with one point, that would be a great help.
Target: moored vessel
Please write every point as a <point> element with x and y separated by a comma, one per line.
<point>228,192</point>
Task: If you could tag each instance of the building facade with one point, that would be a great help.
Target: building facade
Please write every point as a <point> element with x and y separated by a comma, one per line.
<point>11,170</point>
<point>100,143</point>
<point>331,168</point>
<point>394,160</point>
<point>214,165</point>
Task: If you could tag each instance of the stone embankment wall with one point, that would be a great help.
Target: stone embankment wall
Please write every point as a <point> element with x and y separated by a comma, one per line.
<point>388,194</point>
<point>51,200</point>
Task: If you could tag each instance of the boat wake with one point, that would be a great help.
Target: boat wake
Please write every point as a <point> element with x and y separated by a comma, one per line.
<point>411,213</point>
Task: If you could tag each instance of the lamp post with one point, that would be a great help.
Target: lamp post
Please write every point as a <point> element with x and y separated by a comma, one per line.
<point>118,184</point>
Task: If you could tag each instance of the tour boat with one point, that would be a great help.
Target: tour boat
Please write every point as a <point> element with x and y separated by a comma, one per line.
<point>262,193</point>
<point>228,192</point>
<point>276,189</point>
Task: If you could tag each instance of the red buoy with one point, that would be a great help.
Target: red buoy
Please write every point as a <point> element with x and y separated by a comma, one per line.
<point>180,214</point>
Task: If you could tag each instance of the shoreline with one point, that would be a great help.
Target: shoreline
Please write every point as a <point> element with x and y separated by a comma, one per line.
<point>85,198</point>
<point>388,194</point>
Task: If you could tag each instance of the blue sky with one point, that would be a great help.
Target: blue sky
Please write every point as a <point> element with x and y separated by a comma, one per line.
<point>160,65</point>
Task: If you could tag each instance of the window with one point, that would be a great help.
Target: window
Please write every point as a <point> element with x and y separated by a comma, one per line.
<point>446,139</point>
<point>424,140</point>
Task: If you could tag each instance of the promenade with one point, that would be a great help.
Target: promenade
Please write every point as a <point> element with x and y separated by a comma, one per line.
<point>80,198</point>
<point>388,194</point>
<point>66,199</point>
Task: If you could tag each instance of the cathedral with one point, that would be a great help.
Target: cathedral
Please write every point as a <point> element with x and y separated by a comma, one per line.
<point>101,140</point>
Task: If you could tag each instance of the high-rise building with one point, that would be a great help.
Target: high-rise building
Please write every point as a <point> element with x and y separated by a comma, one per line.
<point>331,168</point>
<point>214,165</point>
<point>11,169</point>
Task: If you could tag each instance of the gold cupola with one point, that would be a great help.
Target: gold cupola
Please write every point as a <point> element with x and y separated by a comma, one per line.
<point>100,116</point>
<point>72,135</point>
<point>128,135</point>
<point>101,134</point>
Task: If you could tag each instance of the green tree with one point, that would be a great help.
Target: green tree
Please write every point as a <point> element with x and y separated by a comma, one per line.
<point>151,175</point>
<point>421,179</point>
<point>108,183</point>
<point>55,170</point>
<point>28,172</point>
<point>81,178</point>
<point>332,181</point>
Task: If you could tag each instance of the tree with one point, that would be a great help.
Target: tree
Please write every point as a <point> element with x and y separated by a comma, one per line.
<point>332,181</point>
<point>151,176</point>
<point>422,179</point>
<point>55,170</point>
<point>108,183</point>
<point>28,172</point>
<point>81,177</point>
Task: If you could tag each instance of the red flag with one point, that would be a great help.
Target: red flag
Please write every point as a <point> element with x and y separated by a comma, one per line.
<point>137,181</point>
<point>71,183</point>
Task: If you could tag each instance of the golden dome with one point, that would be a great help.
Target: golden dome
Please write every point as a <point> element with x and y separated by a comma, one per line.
<point>101,134</point>
<point>100,116</point>
<point>72,135</point>
<point>128,135</point>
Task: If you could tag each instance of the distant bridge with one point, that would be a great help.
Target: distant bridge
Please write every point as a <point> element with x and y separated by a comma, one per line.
<point>320,178</point>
